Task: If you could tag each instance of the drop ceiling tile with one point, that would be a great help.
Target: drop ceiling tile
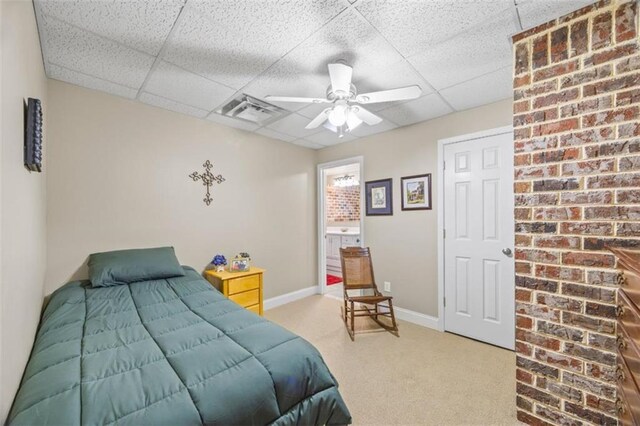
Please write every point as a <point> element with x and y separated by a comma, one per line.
<point>73,77</point>
<point>312,110</point>
<point>182,86</point>
<point>275,135</point>
<point>365,130</point>
<point>424,108</point>
<point>160,102</point>
<point>489,88</point>
<point>412,26</point>
<point>233,42</point>
<point>303,71</point>
<point>141,24</point>
<point>536,12</point>
<point>232,122</point>
<point>82,51</point>
<point>293,125</point>
<point>307,144</point>
<point>328,138</point>
<point>483,49</point>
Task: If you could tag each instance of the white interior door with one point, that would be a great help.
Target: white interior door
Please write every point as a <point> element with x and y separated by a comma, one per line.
<point>479,238</point>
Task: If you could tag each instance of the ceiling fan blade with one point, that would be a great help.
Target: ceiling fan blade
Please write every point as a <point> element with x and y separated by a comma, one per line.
<point>320,118</point>
<point>295,99</point>
<point>340,75</point>
<point>400,94</point>
<point>366,116</point>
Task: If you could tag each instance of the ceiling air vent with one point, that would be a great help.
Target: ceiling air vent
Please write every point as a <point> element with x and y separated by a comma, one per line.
<point>250,109</point>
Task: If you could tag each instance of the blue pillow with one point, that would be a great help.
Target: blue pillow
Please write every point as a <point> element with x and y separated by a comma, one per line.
<point>128,266</point>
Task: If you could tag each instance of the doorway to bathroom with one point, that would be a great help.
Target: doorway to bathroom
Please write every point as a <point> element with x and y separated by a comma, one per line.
<point>340,218</point>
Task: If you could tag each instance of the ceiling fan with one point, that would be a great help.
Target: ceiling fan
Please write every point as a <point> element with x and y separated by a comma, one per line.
<point>344,116</point>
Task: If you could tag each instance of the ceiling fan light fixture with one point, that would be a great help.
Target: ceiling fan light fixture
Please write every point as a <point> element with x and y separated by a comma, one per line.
<point>353,120</point>
<point>338,115</point>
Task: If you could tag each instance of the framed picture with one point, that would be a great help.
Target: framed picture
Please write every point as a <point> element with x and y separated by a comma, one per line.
<point>239,265</point>
<point>379,197</point>
<point>416,192</point>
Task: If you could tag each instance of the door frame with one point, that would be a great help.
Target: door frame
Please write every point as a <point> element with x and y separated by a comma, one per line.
<point>322,246</point>
<point>440,203</point>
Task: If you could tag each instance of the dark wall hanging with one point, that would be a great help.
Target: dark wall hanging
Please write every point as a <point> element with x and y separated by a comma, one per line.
<point>379,197</point>
<point>33,136</point>
<point>208,179</point>
<point>416,192</point>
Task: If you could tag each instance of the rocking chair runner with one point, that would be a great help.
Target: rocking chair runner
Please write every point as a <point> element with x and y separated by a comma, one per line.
<point>357,274</point>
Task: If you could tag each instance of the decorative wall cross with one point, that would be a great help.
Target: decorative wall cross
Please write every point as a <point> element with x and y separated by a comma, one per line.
<point>208,180</point>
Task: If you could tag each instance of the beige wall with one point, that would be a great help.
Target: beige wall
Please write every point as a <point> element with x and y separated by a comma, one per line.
<point>23,243</point>
<point>404,246</point>
<point>118,175</point>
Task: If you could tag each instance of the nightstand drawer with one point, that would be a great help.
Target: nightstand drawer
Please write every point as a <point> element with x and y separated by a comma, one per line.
<point>247,298</point>
<point>238,285</point>
<point>254,308</point>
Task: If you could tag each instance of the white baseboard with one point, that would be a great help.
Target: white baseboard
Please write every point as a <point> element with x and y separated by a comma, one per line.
<point>417,318</point>
<point>283,299</point>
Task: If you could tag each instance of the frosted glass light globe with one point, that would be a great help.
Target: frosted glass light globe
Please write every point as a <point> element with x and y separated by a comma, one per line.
<point>338,115</point>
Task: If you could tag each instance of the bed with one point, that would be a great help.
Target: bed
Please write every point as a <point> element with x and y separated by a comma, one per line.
<point>169,351</point>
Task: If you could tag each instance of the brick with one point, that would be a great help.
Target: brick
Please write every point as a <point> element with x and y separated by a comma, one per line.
<point>521,187</point>
<point>628,229</point>
<point>628,65</point>
<point>522,133</point>
<point>536,228</point>
<point>613,212</point>
<point>597,294</point>
<point>626,164</point>
<point>595,324</point>
<point>557,417</point>
<point>600,310</point>
<point>527,173</point>
<point>601,404</point>
<point>537,311</point>
<point>555,156</point>
<point>523,80</point>
<point>561,331</point>
<point>559,44</point>
<point>555,185</point>
<point>600,372</point>
<point>611,116</point>
<point>536,200</point>
<point>564,391</point>
<point>522,267</point>
<point>615,84</point>
<point>536,367</point>
<point>582,168</point>
<point>556,98</point>
<point>590,415</point>
<point>557,213</point>
<point>628,98</point>
<point>536,284</point>
<point>524,348</point>
<point>590,353</point>
<point>537,395</point>
<point>584,11</point>
<point>614,181</point>
<point>559,273</point>
<point>611,54</point>
<point>540,54</point>
<point>522,213</point>
<point>521,106</point>
<point>628,196</point>
<point>524,403</point>
<point>536,144</point>
<point>557,241</point>
<point>603,243</point>
<point>555,127</point>
<point>601,341</point>
<point>601,278</point>
<point>527,418</point>
<point>524,322</point>
<point>535,117</point>
<point>588,76</point>
<point>579,37</point>
<point>556,70</point>
<point>586,197</point>
<point>536,89</point>
<point>524,376</point>
<point>588,259</point>
<point>586,106</point>
<point>587,136</point>
<point>629,130</point>
<point>522,58</point>
<point>601,31</point>
<point>612,148</point>
<point>538,256</point>
<point>582,228</point>
<point>559,302</point>
<point>625,26</point>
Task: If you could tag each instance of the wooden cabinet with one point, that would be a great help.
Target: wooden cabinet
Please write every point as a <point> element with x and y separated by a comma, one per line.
<point>334,242</point>
<point>628,369</point>
<point>244,288</point>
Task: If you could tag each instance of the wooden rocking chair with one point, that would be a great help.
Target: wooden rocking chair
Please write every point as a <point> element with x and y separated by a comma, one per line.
<point>357,274</point>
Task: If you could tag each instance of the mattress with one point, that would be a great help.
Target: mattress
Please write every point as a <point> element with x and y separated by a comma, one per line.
<point>172,351</point>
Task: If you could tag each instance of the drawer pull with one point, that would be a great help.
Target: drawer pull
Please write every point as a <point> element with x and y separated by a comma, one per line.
<point>620,406</point>
<point>621,278</point>
<point>619,311</point>
<point>621,341</point>
<point>620,373</point>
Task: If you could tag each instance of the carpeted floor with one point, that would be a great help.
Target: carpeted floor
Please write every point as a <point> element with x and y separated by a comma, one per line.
<point>424,377</point>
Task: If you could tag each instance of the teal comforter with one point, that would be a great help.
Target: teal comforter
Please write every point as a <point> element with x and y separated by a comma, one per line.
<point>171,351</point>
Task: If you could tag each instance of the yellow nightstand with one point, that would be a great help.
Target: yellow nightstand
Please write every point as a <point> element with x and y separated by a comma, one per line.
<point>244,288</point>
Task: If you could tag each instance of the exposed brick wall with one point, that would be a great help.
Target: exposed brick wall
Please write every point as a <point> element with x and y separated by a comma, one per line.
<point>577,183</point>
<point>343,203</point>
